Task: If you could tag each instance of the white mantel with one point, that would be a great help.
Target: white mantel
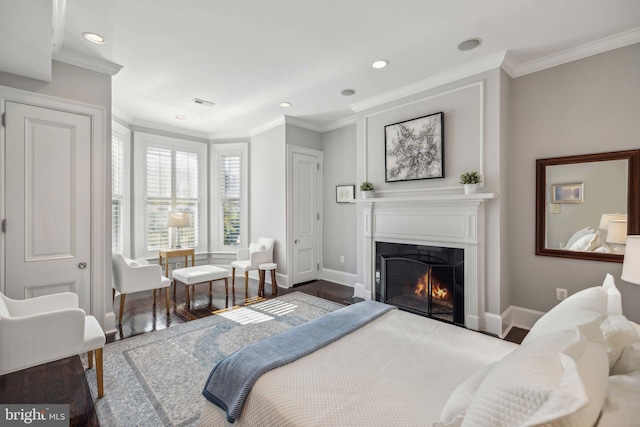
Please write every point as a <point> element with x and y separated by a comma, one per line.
<point>451,220</point>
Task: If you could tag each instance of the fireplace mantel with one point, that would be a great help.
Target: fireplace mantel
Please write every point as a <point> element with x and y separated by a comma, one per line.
<point>448,220</point>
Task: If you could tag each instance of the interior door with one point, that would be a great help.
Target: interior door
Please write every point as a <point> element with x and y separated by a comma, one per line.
<point>48,202</point>
<point>306,217</point>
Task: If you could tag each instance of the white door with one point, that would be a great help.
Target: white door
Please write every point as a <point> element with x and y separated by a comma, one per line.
<point>48,202</point>
<point>306,216</point>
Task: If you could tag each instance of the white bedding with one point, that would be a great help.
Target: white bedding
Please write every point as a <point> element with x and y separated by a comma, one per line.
<point>398,370</point>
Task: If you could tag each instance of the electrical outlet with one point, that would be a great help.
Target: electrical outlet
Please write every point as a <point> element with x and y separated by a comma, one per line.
<point>341,259</point>
<point>178,265</point>
<point>561,294</point>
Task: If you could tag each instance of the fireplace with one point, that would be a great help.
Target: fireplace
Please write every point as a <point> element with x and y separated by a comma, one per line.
<point>425,280</point>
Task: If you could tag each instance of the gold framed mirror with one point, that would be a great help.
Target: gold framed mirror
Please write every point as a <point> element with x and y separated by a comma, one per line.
<point>587,204</point>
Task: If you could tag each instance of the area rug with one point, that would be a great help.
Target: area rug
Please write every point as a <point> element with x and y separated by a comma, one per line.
<point>157,378</point>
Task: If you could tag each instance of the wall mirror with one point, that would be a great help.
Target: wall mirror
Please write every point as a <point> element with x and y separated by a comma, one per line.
<point>586,205</point>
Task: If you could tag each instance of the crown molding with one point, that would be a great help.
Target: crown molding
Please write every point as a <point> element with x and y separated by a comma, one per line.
<point>224,136</point>
<point>267,126</point>
<point>88,62</point>
<point>171,131</point>
<point>579,52</point>
<point>441,79</point>
<point>510,65</point>
<point>347,121</point>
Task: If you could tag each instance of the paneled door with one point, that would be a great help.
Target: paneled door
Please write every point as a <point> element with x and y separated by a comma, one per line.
<point>306,216</point>
<point>48,202</point>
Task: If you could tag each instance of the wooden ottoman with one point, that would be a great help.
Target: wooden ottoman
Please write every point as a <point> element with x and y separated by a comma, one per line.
<point>191,276</point>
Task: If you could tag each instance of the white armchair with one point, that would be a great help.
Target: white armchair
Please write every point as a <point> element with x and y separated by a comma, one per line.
<point>130,276</point>
<point>250,258</point>
<point>47,328</point>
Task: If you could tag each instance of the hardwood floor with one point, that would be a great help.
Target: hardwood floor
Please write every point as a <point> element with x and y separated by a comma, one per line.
<point>64,382</point>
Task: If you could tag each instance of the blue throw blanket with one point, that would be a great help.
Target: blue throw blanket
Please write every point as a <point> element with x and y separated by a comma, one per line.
<point>232,378</point>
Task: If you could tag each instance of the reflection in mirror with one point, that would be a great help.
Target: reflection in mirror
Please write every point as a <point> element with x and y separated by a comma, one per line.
<point>586,205</point>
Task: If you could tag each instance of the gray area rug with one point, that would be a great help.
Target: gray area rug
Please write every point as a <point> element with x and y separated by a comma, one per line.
<point>157,378</point>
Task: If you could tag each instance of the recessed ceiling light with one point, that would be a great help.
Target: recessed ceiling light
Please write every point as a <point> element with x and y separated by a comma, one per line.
<point>181,117</point>
<point>348,92</point>
<point>469,44</point>
<point>95,38</point>
<point>380,63</point>
<point>285,104</point>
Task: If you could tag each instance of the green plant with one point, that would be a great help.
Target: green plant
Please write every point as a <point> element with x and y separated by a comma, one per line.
<point>366,186</point>
<point>472,177</point>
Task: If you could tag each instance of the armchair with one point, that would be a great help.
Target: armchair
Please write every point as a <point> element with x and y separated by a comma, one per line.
<point>250,258</point>
<point>130,276</point>
<point>47,328</point>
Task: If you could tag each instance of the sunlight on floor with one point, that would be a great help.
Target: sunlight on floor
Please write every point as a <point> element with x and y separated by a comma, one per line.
<point>275,307</point>
<point>245,316</point>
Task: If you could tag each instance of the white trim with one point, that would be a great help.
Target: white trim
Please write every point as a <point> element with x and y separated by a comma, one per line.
<point>340,277</point>
<point>216,227</point>
<point>291,149</point>
<point>579,52</point>
<point>142,140</point>
<point>125,135</point>
<point>228,135</point>
<point>359,291</point>
<point>493,324</point>
<point>519,317</point>
<point>267,126</point>
<point>347,121</point>
<point>59,17</point>
<point>88,62</point>
<point>306,124</point>
<point>481,137</point>
<point>438,80</point>
<point>100,260</point>
<point>166,128</point>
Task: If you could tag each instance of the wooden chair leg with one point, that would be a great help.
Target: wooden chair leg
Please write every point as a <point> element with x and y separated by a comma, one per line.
<point>188,300</point>
<point>246,284</point>
<point>260,283</point>
<point>233,281</point>
<point>274,284</point>
<point>175,285</point>
<point>154,297</point>
<point>226,286</point>
<point>210,288</point>
<point>99,377</point>
<point>166,297</point>
<point>122,298</point>
<point>90,358</point>
<point>113,295</point>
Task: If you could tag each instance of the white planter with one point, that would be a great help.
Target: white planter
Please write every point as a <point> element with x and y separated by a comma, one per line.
<point>470,188</point>
<point>367,194</point>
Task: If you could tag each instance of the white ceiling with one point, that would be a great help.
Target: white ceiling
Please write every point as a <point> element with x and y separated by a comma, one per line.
<point>247,56</point>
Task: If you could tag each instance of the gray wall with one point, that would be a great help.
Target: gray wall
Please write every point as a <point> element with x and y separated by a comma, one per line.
<point>339,229</point>
<point>586,106</point>
<point>302,137</point>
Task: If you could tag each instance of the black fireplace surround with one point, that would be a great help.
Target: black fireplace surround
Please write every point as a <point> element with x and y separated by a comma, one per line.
<point>425,280</point>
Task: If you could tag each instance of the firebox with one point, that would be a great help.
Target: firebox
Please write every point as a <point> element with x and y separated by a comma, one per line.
<point>425,280</point>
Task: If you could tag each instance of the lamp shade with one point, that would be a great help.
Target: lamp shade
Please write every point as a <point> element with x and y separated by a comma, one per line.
<point>617,232</point>
<point>178,219</point>
<point>631,265</point>
<point>605,218</point>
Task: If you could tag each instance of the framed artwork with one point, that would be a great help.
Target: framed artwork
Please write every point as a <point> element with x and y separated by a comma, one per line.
<point>567,193</point>
<point>345,193</point>
<point>414,149</point>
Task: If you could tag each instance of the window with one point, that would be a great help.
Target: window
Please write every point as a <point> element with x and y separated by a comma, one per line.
<point>229,200</point>
<point>120,190</point>
<point>171,177</point>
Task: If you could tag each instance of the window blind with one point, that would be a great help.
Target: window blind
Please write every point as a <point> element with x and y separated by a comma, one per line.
<point>117,193</point>
<point>230,206</point>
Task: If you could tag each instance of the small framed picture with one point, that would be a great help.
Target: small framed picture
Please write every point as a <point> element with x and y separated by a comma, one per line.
<point>345,193</point>
<point>567,193</point>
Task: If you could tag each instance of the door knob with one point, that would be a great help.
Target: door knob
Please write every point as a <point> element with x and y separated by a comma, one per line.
<point>82,265</point>
<point>296,241</point>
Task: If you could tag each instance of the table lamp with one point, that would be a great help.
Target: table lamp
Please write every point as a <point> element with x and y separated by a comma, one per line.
<point>631,264</point>
<point>178,219</point>
<point>617,234</point>
<point>605,218</point>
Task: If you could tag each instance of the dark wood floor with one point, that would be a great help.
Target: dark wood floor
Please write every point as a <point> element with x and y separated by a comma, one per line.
<point>64,381</point>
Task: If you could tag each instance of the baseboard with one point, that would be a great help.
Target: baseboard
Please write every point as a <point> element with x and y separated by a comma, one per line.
<point>340,277</point>
<point>519,317</point>
<point>493,324</point>
<point>358,291</point>
<point>109,324</point>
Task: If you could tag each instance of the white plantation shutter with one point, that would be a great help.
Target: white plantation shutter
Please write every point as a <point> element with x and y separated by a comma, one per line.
<point>230,206</point>
<point>117,192</point>
<point>186,198</point>
<point>159,198</point>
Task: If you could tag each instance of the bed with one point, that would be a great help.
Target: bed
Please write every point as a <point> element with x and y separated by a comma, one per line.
<point>579,365</point>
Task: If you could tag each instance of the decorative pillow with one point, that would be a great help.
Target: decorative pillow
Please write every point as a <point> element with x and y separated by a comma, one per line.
<point>578,234</point>
<point>603,249</point>
<point>558,378</point>
<point>133,263</point>
<point>621,407</point>
<point>588,242</point>
<point>458,402</point>
<point>629,360</point>
<point>254,247</point>
<point>579,308</point>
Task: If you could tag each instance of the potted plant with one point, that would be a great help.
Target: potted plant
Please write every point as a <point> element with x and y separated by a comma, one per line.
<point>470,181</point>
<point>367,190</point>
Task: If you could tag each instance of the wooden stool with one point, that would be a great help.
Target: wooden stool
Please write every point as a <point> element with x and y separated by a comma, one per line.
<point>262,269</point>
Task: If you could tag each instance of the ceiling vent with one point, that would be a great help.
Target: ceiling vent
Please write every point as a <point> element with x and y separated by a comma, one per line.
<point>202,102</point>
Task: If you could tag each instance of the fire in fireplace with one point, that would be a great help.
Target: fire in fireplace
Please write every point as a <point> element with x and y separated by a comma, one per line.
<point>422,279</point>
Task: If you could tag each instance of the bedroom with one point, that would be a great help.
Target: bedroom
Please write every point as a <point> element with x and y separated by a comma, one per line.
<point>566,99</point>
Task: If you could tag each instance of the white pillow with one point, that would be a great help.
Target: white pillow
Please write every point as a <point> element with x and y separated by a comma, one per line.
<point>629,360</point>
<point>579,308</point>
<point>558,378</point>
<point>614,297</point>
<point>133,263</point>
<point>254,247</point>
<point>621,408</point>
<point>588,242</point>
<point>617,333</point>
<point>578,234</point>
<point>458,402</point>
